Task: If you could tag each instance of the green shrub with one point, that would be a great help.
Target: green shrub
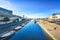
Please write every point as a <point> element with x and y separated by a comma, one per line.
<point>6,19</point>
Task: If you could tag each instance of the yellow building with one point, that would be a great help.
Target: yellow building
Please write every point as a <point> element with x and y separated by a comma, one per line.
<point>54,17</point>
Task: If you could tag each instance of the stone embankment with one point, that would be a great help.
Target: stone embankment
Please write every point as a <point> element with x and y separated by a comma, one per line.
<point>52,29</point>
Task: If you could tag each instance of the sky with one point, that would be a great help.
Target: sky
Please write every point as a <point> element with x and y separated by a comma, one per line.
<point>32,8</point>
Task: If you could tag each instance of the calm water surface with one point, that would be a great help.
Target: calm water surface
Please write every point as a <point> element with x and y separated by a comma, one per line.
<point>31,31</point>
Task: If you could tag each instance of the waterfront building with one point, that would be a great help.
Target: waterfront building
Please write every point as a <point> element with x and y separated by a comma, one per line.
<point>4,11</point>
<point>7,21</point>
<point>54,18</point>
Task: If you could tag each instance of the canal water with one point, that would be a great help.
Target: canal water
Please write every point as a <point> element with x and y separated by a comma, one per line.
<point>31,31</point>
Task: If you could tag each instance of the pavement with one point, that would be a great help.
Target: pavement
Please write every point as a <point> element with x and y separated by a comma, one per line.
<point>52,29</point>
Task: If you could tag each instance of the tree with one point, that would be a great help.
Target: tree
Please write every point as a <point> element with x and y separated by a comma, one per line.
<point>6,19</point>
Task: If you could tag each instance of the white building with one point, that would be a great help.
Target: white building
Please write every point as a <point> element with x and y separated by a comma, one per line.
<point>54,17</point>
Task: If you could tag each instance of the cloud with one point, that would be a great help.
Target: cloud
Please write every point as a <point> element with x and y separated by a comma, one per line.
<point>37,15</point>
<point>33,15</point>
<point>7,5</point>
<point>17,11</point>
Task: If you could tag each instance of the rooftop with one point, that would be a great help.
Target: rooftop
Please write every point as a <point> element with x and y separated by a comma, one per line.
<point>56,14</point>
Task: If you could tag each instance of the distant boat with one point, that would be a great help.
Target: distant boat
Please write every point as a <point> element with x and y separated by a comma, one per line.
<point>35,21</point>
<point>17,28</point>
